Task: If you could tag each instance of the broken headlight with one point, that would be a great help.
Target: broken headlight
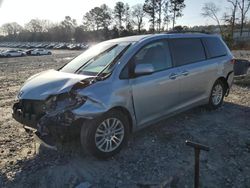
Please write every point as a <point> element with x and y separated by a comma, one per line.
<point>64,101</point>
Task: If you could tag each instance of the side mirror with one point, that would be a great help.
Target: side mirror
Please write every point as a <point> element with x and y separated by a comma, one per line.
<point>143,69</point>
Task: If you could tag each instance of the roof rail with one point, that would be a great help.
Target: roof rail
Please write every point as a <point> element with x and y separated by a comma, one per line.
<point>188,31</point>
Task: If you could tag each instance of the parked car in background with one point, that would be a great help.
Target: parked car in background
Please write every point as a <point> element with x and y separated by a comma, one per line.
<point>40,52</point>
<point>28,52</point>
<point>75,47</point>
<point>241,69</point>
<point>45,45</point>
<point>61,46</point>
<point>12,53</point>
<point>50,46</point>
<point>122,85</point>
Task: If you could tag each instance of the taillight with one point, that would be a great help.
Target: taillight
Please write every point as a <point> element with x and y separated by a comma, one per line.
<point>233,61</point>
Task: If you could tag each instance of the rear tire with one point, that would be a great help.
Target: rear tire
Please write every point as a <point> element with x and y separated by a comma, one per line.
<point>217,95</point>
<point>105,136</point>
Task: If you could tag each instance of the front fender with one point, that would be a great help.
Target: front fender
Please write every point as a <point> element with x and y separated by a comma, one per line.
<point>90,109</point>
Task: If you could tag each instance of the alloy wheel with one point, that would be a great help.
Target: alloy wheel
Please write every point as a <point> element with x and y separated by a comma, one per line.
<point>109,135</point>
<point>217,94</point>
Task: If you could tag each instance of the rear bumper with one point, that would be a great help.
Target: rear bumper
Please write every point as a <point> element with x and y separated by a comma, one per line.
<point>243,76</point>
<point>240,77</point>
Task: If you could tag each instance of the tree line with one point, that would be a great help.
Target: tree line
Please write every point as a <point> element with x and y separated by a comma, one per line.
<point>100,23</point>
<point>235,17</point>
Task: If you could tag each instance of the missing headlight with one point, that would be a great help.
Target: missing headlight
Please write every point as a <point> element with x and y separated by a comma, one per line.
<point>64,101</point>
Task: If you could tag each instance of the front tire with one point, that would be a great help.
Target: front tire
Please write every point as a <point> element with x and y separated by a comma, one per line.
<point>217,95</point>
<point>105,136</point>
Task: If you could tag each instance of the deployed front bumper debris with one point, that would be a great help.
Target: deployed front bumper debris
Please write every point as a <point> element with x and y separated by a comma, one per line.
<point>44,139</point>
<point>48,128</point>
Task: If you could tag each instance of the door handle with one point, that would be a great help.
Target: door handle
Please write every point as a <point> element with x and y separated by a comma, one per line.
<point>184,73</point>
<point>173,76</point>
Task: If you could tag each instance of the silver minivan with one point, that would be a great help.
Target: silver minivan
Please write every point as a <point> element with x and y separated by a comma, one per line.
<point>122,85</point>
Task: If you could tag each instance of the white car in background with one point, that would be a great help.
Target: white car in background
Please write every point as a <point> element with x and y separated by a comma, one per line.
<point>12,53</point>
<point>40,52</point>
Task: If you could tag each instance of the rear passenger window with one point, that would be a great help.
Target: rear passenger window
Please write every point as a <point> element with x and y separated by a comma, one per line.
<point>186,51</point>
<point>215,47</point>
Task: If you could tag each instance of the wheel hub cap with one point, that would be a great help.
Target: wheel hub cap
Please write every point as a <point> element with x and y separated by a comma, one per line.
<point>217,94</point>
<point>109,135</point>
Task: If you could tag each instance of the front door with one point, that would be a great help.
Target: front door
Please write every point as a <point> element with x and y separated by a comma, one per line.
<point>157,94</point>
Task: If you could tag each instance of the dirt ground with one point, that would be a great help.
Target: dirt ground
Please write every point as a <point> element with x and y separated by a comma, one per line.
<point>156,156</point>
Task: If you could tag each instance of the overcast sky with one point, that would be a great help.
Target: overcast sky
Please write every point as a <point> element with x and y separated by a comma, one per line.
<point>21,11</point>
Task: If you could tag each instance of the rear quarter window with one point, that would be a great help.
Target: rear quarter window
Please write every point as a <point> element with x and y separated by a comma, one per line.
<point>187,50</point>
<point>215,47</point>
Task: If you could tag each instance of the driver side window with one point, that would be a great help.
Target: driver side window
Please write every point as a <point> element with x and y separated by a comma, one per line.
<point>156,53</point>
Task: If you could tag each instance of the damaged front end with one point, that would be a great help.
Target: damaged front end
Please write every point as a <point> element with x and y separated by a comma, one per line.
<point>51,119</point>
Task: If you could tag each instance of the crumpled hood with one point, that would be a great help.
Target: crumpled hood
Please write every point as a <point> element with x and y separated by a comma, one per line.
<point>51,82</point>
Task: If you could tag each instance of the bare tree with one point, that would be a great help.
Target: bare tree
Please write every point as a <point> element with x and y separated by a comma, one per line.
<point>11,28</point>
<point>127,17</point>
<point>47,25</point>
<point>138,14</point>
<point>244,6</point>
<point>211,10</point>
<point>68,26</point>
<point>35,26</point>
<point>232,17</point>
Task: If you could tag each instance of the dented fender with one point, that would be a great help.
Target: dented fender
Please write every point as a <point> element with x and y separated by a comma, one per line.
<point>90,109</point>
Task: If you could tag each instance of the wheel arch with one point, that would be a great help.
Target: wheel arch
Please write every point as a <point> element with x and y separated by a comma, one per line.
<point>225,83</point>
<point>127,114</point>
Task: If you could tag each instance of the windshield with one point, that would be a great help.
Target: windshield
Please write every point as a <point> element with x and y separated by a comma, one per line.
<point>99,58</point>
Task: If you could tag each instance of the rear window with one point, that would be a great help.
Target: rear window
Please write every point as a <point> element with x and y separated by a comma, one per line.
<point>215,47</point>
<point>186,51</point>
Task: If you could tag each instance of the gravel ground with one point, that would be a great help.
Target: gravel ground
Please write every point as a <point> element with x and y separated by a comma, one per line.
<point>155,157</point>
